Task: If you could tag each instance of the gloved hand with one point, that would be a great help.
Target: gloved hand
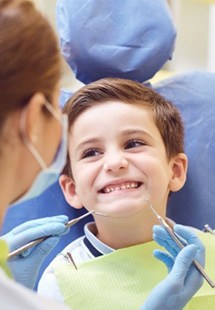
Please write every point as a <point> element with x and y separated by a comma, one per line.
<point>25,267</point>
<point>183,280</point>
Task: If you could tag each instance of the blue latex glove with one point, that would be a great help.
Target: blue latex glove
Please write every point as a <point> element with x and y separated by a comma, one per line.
<point>184,280</point>
<point>25,267</point>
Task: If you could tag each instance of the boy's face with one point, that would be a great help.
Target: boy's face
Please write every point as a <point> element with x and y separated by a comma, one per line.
<point>118,160</point>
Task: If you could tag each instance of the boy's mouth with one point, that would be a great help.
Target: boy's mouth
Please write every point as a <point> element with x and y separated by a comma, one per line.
<point>118,187</point>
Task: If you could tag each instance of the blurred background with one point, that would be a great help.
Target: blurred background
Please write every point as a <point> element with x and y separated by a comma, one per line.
<point>195,43</point>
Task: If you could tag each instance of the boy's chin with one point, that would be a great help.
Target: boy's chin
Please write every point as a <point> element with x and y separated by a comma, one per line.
<point>125,210</point>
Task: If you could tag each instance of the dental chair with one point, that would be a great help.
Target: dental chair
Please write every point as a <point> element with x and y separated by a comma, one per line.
<point>134,39</point>
<point>194,95</point>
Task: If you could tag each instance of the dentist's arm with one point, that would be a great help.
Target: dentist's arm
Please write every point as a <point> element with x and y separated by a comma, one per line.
<point>25,267</point>
<point>183,280</point>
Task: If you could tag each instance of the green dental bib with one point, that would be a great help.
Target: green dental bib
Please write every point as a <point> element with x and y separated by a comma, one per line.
<point>3,257</point>
<point>124,279</point>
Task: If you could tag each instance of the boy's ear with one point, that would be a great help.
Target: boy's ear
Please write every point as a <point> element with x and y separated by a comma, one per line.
<point>179,172</point>
<point>68,187</point>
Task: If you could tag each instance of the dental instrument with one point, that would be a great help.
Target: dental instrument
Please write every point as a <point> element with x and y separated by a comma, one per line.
<point>37,241</point>
<point>208,229</point>
<point>177,240</point>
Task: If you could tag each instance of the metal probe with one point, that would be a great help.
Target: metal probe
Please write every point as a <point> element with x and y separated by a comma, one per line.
<point>36,241</point>
<point>181,245</point>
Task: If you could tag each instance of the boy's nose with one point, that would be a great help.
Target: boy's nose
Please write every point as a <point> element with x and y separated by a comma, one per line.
<point>115,162</point>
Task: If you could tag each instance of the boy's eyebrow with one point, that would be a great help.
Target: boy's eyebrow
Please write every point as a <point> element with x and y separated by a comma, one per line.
<point>136,131</point>
<point>142,132</point>
<point>87,141</point>
<point>124,133</point>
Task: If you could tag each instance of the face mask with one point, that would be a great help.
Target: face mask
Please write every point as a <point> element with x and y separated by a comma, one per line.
<point>48,175</point>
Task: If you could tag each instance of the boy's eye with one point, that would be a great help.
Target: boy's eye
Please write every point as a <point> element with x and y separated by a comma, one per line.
<point>134,143</point>
<point>91,153</point>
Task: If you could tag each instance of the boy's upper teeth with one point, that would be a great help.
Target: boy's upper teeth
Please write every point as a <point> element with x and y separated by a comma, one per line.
<point>118,187</point>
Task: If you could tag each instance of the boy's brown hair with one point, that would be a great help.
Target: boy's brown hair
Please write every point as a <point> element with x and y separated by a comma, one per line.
<point>167,118</point>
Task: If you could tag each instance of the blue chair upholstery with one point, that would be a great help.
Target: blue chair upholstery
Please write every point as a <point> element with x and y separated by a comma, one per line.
<point>64,96</point>
<point>194,95</point>
<point>101,38</point>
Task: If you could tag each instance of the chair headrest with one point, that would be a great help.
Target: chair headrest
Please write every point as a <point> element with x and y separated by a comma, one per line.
<point>123,38</point>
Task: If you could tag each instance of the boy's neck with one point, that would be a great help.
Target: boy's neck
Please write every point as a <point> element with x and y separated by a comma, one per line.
<point>122,234</point>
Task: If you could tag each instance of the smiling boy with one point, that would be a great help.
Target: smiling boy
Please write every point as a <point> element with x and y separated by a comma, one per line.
<point>118,159</point>
<point>125,148</point>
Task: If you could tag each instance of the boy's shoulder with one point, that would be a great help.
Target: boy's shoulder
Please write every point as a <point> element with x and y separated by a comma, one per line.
<point>48,278</point>
<point>62,256</point>
<point>72,246</point>
<point>208,239</point>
